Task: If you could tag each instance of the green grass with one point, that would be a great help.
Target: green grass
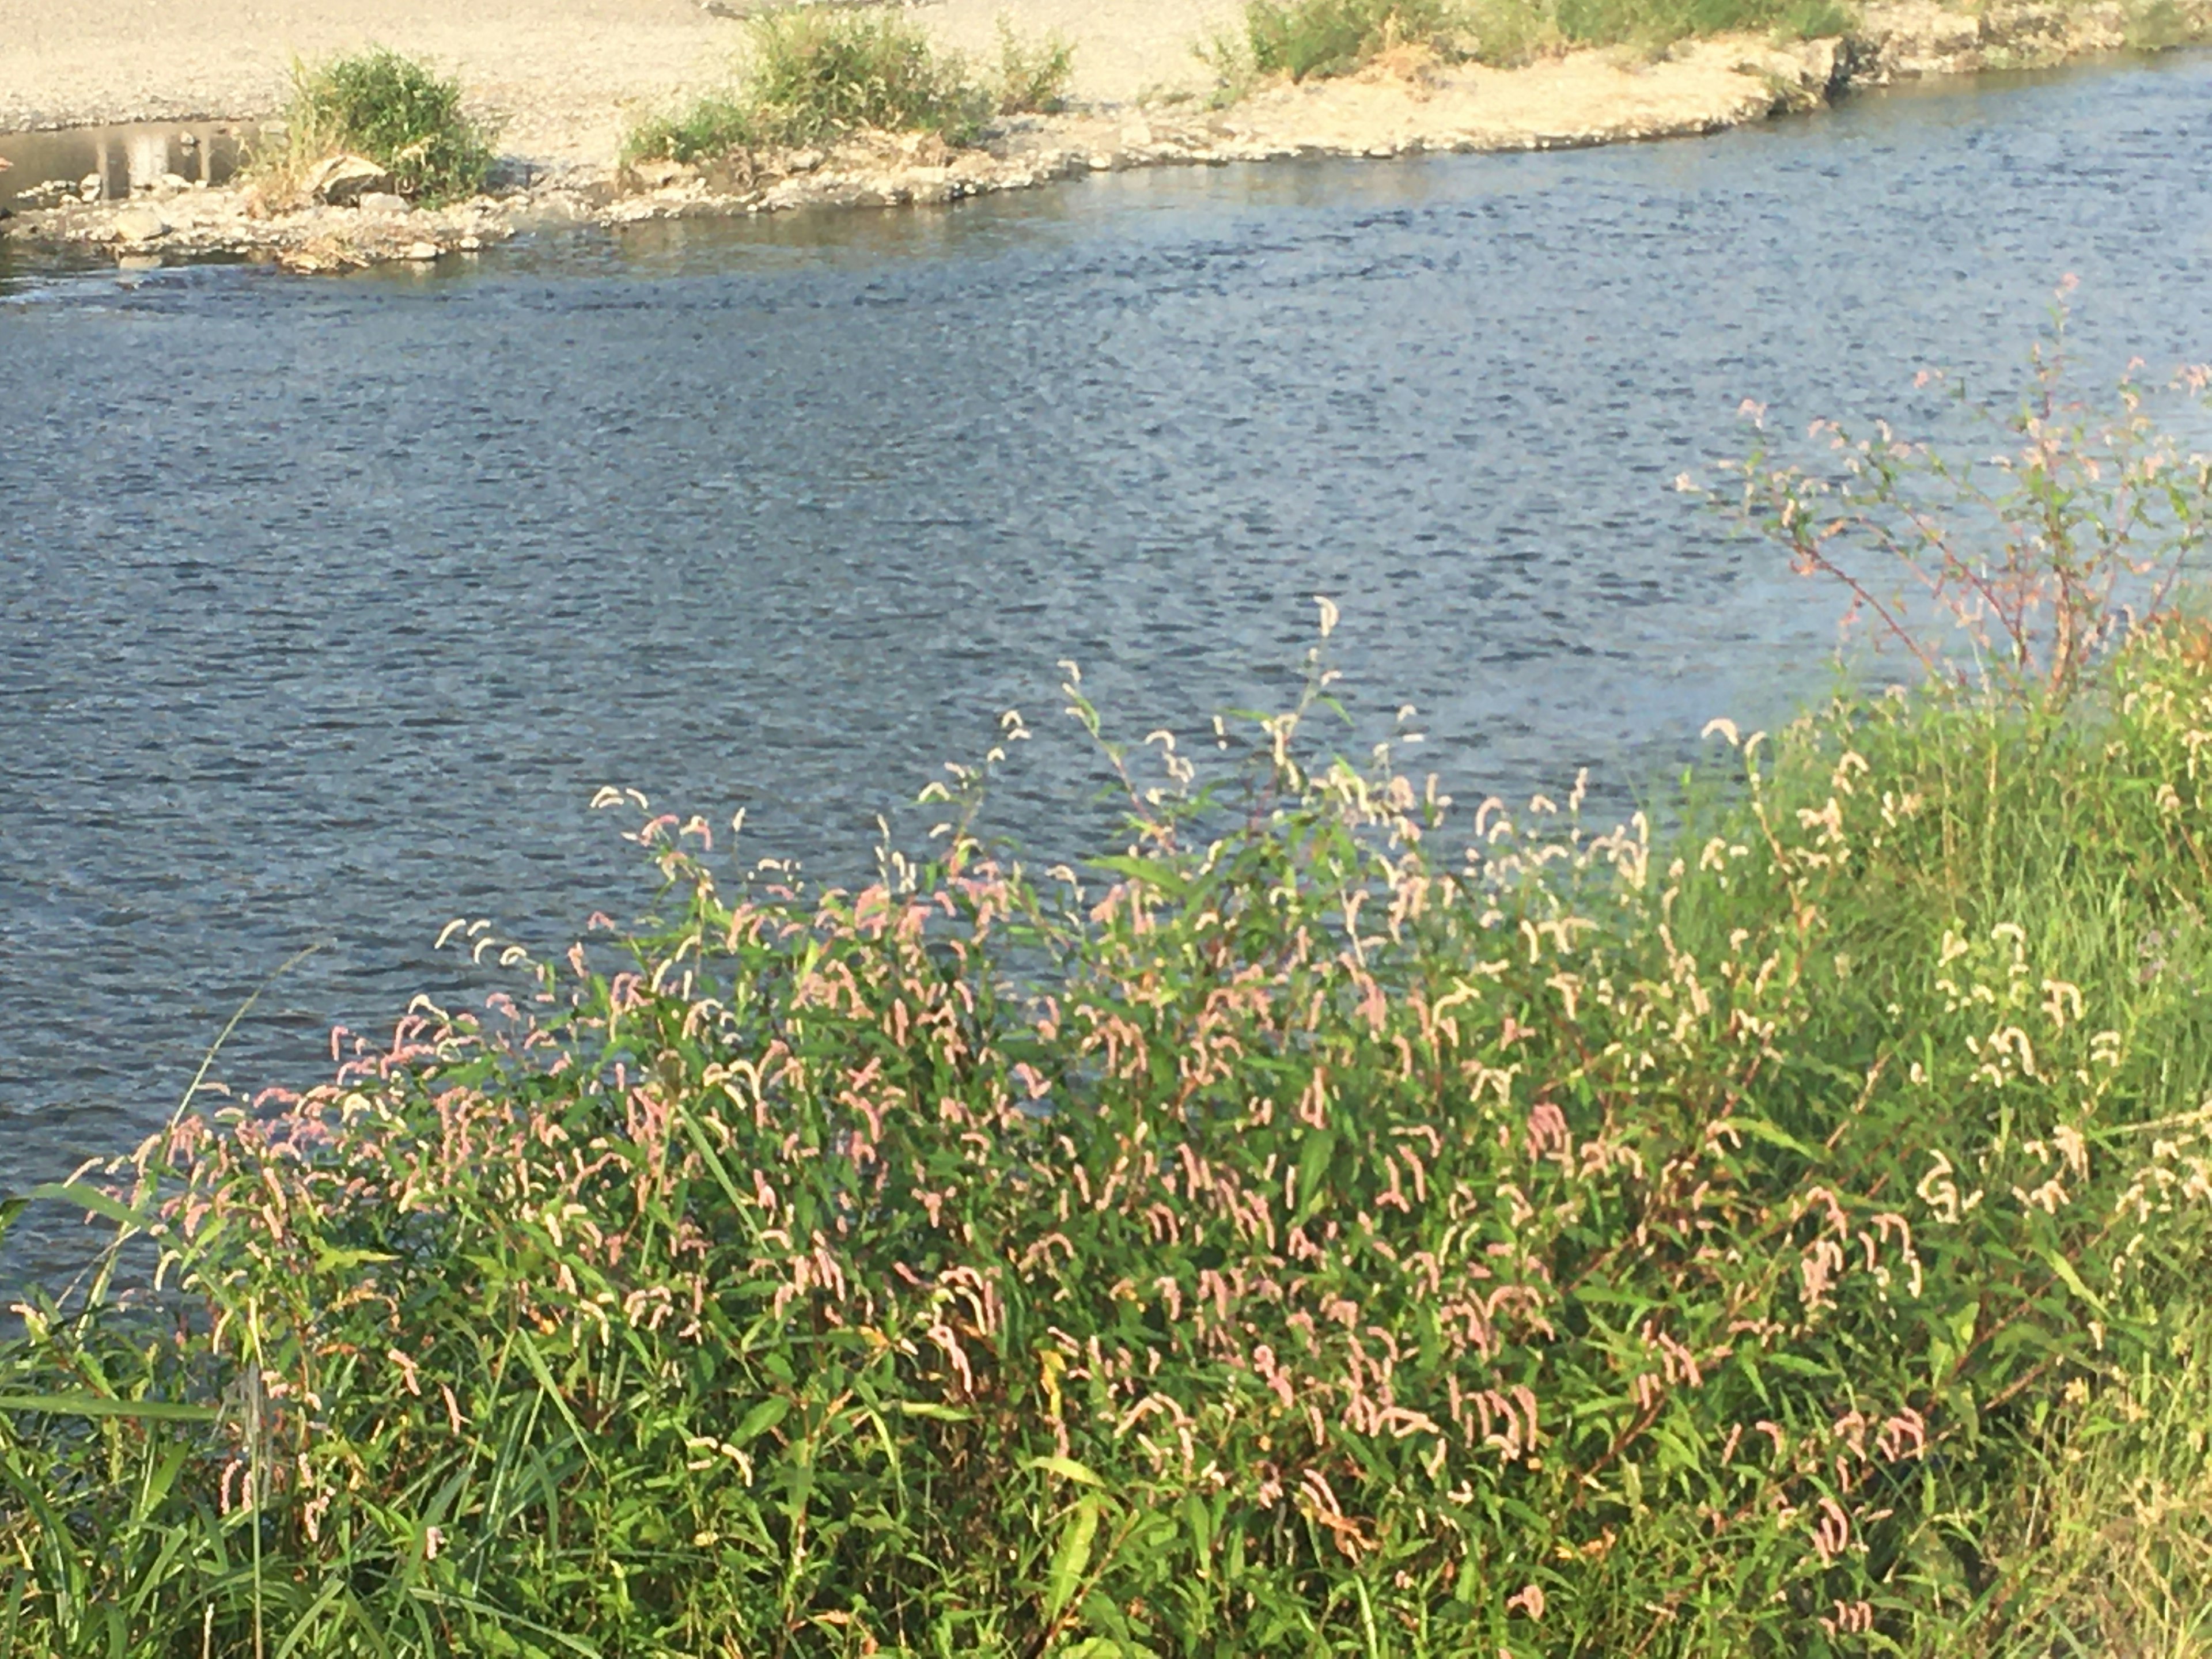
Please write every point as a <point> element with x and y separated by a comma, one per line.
<point>1333,1220</point>
<point>1033,77</point>
<point>1302,40</point>
<point>396,111</point>
<point>1655,23</point>
<point>1311,37</point>
<point>814,76</point>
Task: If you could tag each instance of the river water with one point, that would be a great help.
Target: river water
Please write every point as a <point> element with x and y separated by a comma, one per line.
<point>325,606</point>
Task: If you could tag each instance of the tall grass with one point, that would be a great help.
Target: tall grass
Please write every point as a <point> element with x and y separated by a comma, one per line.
<point>400,114</point>
<point>1333,1220</point>
<point>815,76</point>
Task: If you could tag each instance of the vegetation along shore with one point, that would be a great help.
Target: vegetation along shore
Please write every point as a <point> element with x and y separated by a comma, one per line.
<point>565,112</point>
<point>1333,1219</point>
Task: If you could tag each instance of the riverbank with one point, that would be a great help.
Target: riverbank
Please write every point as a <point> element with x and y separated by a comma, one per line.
<point>565,81</point>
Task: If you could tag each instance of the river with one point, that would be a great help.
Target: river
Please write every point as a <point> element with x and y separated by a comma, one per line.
<point>326,606</point>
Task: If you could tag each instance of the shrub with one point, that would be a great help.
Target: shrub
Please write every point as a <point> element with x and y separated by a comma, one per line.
<point>400,114</point>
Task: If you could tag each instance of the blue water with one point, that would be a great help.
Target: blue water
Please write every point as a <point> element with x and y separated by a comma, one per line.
<point>325,606</point>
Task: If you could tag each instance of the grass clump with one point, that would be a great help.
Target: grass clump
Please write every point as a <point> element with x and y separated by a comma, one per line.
<point>1033,77</point>
<point>1332,1221</point>
<point>1303,38</point>
<point>397,113</point>
<point>814,76</point>
<point>1653,24</point>
<point>820,75</point>
<point>2163,25</point>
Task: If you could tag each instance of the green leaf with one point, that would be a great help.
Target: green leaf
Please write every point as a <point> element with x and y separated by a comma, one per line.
<point>930,1408</point>
<point>97,1405</point>
<point>1759,1129</point>
<point>1153,872</point>
<point>328,1259</point>
<point>2072,1280</point>
<point>1067,1468</point>
<point>92,1199</point>
<point>1072,1558</point>
<point>761,1419</point>
<point>1313,1168</point>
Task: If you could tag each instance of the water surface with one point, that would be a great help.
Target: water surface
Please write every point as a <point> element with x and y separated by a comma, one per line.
<point>325,606</point>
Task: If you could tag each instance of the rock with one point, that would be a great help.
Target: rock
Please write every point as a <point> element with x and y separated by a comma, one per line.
<point>923,150</point>
<point>383,200</point>
<point>92,187</point>
<point>139,262</point>
<point>469,244</point>
<point>659,174</point>
<point>422,252</point>
<point>172,184</point>
<point>140,223</point>
<point>342,181</point>
<point>803,161</point>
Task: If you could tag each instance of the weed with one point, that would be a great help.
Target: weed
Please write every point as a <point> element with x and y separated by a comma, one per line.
<point>392,110</point>
<point>708,129</point>
<point>1228,53</point>
<point>1032,78</point>
<point>2039,559</point>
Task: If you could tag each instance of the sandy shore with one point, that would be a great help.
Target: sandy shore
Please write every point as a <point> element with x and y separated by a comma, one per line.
<point>566,78</point>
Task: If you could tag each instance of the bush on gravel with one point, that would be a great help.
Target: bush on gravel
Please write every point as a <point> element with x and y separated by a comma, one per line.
<point>396,111</point>
<point>815,76</point>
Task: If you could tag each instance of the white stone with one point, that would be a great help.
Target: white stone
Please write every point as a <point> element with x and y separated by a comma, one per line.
<point>342,181</point>
<point>140,223</point>
<point>422,253</point>
<point>660,174</point>
<point>383,200</point>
